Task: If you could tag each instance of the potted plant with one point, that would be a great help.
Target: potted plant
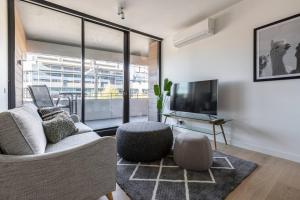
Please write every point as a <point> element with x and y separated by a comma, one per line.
<point>162,96</point>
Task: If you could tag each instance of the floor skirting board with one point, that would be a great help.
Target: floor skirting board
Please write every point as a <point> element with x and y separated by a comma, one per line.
<point>268,151</point>
<point>242,144</point>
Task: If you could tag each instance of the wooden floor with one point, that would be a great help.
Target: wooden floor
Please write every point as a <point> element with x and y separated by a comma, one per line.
<point>274,179</point>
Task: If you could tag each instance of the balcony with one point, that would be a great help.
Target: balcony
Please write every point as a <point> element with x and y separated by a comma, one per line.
<point>104,113</point>
<point>106,110</point>
<point>105,123</point>
<point>103,85</point>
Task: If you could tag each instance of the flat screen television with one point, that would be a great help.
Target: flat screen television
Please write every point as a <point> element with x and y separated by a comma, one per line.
<point>195,97</point>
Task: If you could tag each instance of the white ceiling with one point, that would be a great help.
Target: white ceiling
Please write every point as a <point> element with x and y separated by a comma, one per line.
<point>157,17</point>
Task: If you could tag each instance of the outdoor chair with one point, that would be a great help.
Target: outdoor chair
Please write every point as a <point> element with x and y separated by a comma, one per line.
<point>41,98</point>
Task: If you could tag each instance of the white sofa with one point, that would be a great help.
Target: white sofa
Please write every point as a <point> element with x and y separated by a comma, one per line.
<point>79,167</point>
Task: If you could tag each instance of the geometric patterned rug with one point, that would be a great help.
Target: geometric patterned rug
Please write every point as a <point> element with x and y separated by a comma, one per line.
<point>163,179</point>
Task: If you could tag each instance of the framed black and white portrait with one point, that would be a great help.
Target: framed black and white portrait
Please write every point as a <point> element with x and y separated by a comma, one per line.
<point>277,50</point>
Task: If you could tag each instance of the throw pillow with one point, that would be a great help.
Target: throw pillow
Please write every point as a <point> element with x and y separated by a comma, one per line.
<point>59,127</point>
<point>48,113</point>
<point>21,133</point>
<point>31,108</point>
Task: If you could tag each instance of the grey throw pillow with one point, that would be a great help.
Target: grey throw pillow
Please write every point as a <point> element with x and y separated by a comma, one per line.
<point>21,132</point>
<point>59,127</point>
<point>48,113</point>
<point>31,108</point>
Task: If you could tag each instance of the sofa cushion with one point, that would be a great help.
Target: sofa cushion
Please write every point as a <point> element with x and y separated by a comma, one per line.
<point>59,127</point>
<point>21,132</point>
<point>72,141</point>
<point>82,128</point>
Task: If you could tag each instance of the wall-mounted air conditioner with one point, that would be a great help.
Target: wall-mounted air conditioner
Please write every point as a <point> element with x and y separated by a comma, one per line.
<point>196,32</point>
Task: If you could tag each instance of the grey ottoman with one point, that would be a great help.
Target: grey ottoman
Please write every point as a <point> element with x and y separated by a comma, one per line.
<point>193,151</point>
<point>144,141</point>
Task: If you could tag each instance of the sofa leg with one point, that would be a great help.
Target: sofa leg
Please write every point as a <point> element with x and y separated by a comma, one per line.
<point>109,196</point>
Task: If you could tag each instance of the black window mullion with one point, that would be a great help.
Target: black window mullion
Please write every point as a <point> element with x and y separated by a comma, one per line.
<point>159,54</point>
<point>82,70</point>
<point>11,54</point>
<point>126,52</point>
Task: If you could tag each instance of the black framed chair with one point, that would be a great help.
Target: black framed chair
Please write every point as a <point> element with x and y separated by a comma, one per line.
<point>41,98</point>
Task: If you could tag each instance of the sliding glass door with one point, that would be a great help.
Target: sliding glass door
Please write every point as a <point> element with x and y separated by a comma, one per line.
<point>47,53</point>
<point>103,76</point>
<point>144,73</point>
<point>104,71</point>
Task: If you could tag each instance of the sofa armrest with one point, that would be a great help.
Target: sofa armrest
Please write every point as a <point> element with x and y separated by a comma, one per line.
<point>84,172</point>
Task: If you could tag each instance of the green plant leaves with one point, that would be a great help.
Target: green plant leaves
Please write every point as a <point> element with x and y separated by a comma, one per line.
<point>159,104</point>
<point>157,91</point>
<point>166,81</point>
<point>167,86</point>
<point>160,96</point>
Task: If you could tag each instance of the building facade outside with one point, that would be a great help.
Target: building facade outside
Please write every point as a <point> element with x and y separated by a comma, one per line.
<point>103,79</point>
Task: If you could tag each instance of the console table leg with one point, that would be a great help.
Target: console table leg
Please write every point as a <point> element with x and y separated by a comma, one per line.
<point>223,133</point>
<point>214,132</point>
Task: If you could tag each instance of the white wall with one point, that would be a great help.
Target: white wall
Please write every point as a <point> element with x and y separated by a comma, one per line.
<point>266,114</point>
<point>3,55</point>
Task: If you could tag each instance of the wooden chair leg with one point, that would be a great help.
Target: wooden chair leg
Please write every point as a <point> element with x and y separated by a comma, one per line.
<point>110,196</point>
<point>214,132</point>
<point>223,133</point>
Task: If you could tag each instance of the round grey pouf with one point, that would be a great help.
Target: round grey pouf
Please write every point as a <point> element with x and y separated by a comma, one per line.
<point>144,141</point>
<point>193,151</point>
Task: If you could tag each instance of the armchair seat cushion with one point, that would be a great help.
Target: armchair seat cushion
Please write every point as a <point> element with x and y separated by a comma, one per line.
<point>82,128</point>
<point>72,141</point>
